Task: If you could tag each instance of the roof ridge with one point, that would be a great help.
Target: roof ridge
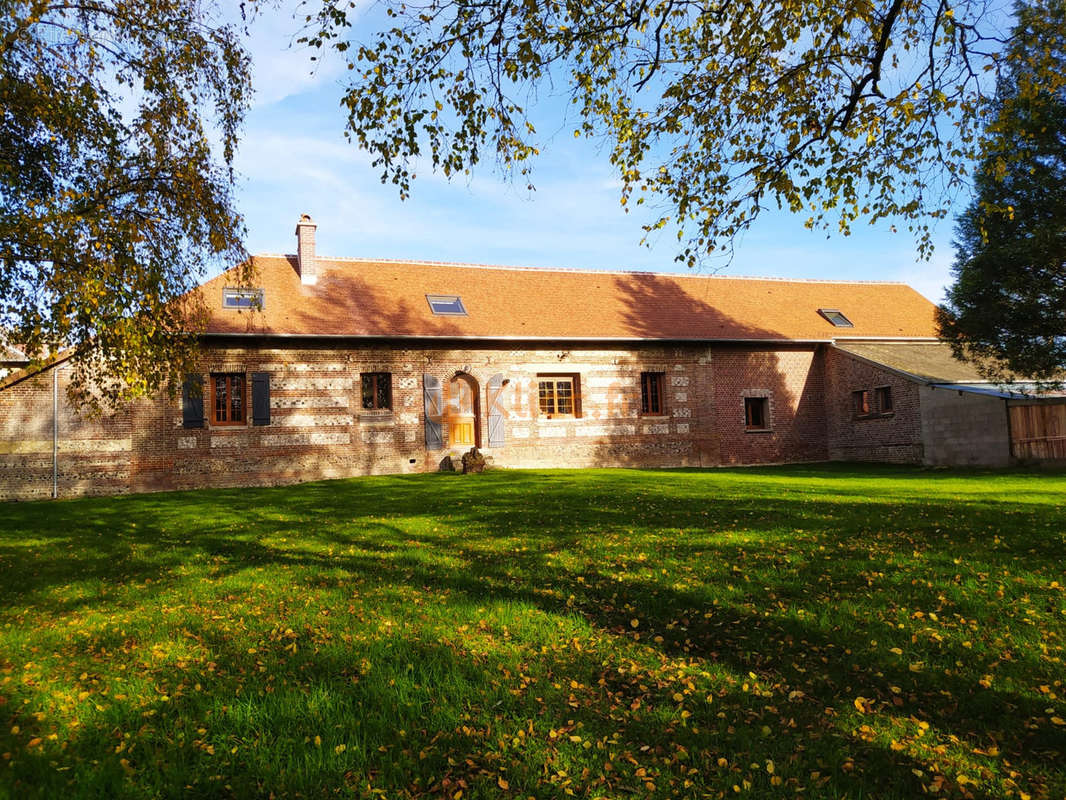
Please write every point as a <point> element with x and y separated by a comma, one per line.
<point>580,271</point>
<point>924,340</point>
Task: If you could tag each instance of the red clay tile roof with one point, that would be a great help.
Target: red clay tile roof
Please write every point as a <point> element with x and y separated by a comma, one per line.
<point>356,297</point>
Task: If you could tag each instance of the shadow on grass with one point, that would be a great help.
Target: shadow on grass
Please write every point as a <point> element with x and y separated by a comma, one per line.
<point>436,619</point>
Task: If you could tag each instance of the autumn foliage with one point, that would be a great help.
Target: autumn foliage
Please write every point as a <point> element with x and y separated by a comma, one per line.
<point>118,126</point>
<point>711,112</point>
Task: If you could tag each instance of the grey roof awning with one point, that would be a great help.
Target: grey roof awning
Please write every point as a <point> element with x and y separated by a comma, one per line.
<point>934,364</point>
<point>1018,390</point>
<point>929,361</point>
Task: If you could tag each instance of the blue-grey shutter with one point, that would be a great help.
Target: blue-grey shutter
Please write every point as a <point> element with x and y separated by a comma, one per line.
<point>192,401</point>
<point>497,428</point>
<point>433,396</point>
<point>260,398</point>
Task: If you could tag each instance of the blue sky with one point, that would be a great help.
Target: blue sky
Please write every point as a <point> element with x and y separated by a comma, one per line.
<point>294,159</point>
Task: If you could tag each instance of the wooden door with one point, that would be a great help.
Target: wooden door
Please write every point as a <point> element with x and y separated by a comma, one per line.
<point>462,432</point>
<point>462,419</point>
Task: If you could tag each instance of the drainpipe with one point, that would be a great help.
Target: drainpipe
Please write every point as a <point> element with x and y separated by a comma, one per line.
<point>55,432</point>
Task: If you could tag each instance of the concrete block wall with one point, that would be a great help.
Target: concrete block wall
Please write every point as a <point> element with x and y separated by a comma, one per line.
<point>964,429</point>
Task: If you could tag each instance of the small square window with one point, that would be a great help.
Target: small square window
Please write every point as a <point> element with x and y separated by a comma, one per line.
<point>651,392</point>
<point>448,305</point>
<point>377,391</point>
<point>835,318</point>
<point>883,395</point>
<point>860,403</point>
<point>757,413</point>
<point>243,298</point>
<point>558,395</point>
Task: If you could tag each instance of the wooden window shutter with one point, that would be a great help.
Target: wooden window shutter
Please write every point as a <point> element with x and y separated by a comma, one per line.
<point>260,398</point>
<point>433,396</point>
<point>192,401</point>
<point>497,427</point>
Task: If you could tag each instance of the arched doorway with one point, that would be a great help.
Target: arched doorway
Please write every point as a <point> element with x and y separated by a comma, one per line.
<point>463,412</point>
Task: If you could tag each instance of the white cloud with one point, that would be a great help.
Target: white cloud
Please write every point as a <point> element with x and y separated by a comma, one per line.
<point>282,67</point>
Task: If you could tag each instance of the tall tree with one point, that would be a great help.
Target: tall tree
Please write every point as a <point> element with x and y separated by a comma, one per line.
<point>712,109</point>
<point>1007,306</point>
<point>112,201</point>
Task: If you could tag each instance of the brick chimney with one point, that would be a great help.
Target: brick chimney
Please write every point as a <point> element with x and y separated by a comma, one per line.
<point>305,250</point>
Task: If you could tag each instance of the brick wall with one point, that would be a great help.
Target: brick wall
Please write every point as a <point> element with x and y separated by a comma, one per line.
<point>895,437</point>
<point>610,430</point>
<point>318,428</point>
<point>792,380</point>
<point>93,455</point>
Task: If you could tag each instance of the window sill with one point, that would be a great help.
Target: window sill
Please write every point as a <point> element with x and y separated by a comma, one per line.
<point>758,430</point>
<point>867,417</point>
<point>382,416</point>
<point>664,417</point>
<point>557,418</point>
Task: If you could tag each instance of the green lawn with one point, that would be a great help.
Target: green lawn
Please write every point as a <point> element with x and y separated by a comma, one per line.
<point>820,631</point>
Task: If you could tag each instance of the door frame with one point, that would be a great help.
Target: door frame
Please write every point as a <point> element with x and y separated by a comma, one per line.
<point>450,406</point>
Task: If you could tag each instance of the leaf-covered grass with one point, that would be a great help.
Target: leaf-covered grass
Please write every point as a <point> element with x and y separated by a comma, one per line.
<point>822,631</point>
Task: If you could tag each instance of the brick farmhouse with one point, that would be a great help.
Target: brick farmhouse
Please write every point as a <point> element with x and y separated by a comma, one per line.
<point>329,368</point>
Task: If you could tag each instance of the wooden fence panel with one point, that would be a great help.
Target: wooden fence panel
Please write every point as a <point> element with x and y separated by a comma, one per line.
<point>1038,431</point>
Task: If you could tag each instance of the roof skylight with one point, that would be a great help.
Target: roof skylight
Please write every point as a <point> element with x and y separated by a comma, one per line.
<point>835,318</point>
<point>446,305</point>
<point>243,298</point>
